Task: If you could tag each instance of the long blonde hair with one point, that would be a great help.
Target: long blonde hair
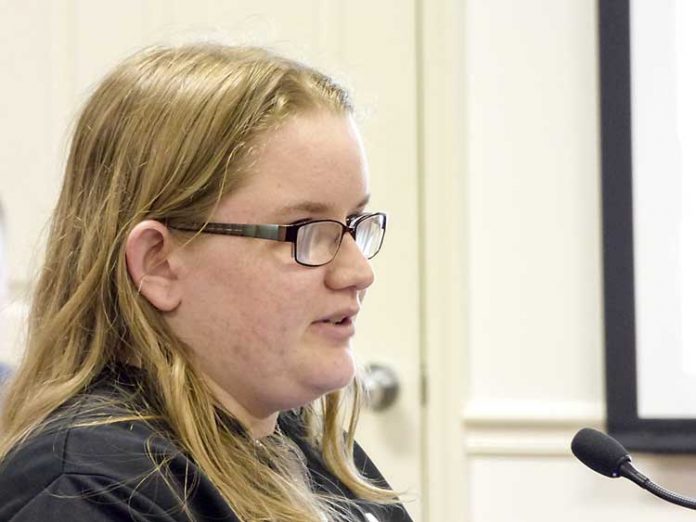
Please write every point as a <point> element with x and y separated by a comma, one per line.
<point>165,136</point>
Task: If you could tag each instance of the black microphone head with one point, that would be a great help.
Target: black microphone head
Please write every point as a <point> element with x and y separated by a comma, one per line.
<point>599,451</point>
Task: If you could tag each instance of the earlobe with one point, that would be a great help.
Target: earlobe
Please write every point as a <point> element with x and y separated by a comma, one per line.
<point>151,266</point>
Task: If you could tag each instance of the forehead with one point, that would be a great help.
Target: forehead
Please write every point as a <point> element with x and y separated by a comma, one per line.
<point>313,163</point>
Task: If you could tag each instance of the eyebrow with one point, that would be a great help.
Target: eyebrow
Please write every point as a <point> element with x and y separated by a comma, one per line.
<point>314,207</point>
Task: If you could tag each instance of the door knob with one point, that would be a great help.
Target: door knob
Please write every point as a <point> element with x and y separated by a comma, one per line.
<point>381,385</point>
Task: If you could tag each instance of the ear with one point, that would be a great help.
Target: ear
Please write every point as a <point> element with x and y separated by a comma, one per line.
<point>152,266</point>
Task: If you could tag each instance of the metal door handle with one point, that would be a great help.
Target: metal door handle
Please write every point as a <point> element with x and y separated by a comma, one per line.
<point>382,387</point>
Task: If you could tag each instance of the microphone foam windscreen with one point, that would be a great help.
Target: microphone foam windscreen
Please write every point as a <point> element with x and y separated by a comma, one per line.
<point>599,451</point>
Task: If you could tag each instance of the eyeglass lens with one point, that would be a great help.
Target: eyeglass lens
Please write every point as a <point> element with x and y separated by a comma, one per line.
<point>368,235</point>
<point>317,243</point>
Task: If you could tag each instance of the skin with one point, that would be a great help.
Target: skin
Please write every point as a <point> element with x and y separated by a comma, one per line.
<point>254,318</point>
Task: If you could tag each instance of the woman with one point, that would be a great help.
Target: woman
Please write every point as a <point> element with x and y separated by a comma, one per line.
<point>189,342</point>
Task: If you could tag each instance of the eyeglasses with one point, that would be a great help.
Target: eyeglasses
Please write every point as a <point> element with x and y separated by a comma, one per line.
<point>315,242</point>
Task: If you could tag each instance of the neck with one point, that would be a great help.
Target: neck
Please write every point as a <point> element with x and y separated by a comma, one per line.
<point>258,425</point>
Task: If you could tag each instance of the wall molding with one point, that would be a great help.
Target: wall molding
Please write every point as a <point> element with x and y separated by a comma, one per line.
<point>530,412</point>
<point>512,427</point>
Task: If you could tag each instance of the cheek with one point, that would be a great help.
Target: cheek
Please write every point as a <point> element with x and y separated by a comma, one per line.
<point>263,322</point>
<point>249,324</point>
<point>259,309</point>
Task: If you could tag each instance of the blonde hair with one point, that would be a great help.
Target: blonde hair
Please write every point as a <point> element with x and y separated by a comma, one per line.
<point>165,136</point>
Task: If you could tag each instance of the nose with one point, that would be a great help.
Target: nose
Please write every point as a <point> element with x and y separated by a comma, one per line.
<point>350,268</point>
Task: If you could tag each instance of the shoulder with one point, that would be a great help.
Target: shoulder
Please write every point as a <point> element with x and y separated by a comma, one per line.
<point>107,471</point>
<point>325,482</point>
<point>368,469</point>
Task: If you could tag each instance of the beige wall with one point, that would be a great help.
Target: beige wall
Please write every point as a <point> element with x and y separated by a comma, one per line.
<point>506,106</point>
<point>527,273</point>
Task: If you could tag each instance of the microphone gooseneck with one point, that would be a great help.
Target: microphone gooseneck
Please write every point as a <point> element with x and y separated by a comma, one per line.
<point>605,455</point>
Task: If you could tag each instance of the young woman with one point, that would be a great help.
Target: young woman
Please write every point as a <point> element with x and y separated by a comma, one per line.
<point>189,349</point>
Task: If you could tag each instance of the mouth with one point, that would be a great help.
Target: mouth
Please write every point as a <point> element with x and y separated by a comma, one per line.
<point>338,322</point>
<point>338,326</point>
<point>340,317</point>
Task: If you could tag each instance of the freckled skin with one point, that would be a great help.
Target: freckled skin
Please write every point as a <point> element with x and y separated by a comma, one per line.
<point>248,310</point>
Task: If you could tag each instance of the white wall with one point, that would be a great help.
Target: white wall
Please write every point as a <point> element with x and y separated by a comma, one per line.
<point>529,265</point>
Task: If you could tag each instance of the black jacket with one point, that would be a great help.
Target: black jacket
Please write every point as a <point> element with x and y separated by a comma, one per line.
<point>106,472</point>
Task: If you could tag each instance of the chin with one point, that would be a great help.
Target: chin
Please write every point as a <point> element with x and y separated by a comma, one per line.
<point>336,378</point>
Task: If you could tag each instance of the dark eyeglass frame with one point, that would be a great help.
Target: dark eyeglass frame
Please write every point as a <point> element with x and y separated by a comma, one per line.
<point>285,233</point>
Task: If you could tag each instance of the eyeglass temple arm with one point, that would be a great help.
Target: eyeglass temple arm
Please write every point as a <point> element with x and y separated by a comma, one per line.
<point>273,232</point>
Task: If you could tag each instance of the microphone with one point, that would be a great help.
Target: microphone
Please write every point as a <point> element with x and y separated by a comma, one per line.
<point>606,455</point>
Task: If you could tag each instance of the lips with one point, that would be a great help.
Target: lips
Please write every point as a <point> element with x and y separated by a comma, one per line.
<point>338,326</point>
<point>340,317</point>
<point>339,320</point>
